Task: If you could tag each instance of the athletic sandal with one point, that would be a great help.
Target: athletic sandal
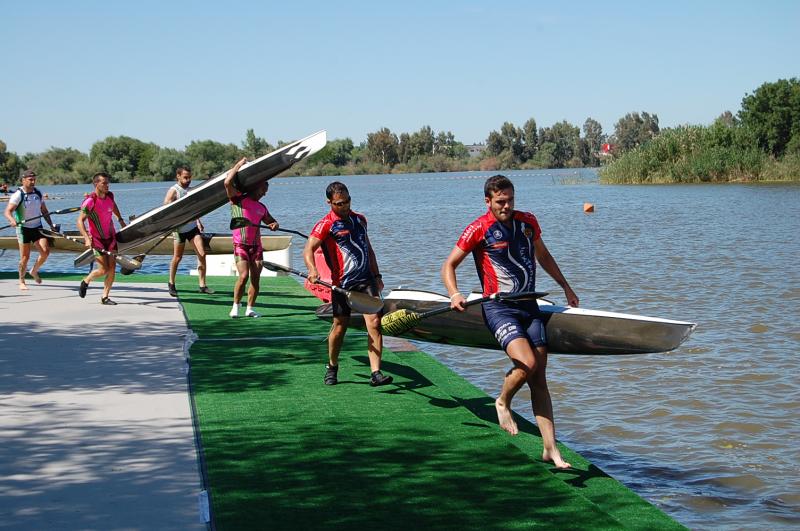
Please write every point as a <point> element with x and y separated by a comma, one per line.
<point>82,289</point>
<point>206,289</point>
<point>107,301</point>
<point>331,375</point>
<point>172,290</point>
<point>378,378</point>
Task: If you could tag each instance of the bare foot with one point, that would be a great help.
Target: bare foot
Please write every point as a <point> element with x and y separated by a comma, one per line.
<point>505,419</point>
<point>36,277</point>
<point>23,286</point>
<point>554,457</point>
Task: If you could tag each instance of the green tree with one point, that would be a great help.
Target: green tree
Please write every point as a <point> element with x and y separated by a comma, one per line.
<point>337,152</point>
<point>166,162</point>
<point>10,165</point>
<point>530,137</point>
<point>421,143</point>
<point>633,130</point>
<point>58,164</point>
<point>382,146</point>
<point>512,138</point>
<point>209,158</point>
<point>254,147</point>
<point>564,136</point>
<point>120,155</point>
<point>772,113</point>
<point>593,140</point>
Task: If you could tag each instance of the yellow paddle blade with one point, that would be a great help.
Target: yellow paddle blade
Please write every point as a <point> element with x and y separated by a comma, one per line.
<point>399,322</point>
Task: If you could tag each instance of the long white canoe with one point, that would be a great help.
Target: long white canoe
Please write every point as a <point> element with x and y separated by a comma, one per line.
<point>209,196</point>
<point>569,330</point>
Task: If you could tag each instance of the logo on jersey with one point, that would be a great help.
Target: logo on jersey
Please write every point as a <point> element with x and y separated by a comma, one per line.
<point>499,245</point>
<point>528,232</point>
<point>498,235</point>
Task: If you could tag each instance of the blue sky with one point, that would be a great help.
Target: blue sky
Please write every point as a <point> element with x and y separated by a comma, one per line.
<point>172,72</point>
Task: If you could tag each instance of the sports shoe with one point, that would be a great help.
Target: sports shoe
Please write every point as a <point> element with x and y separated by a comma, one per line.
<point>331,374</point>
<point>234,313</point>
<point>251,313</point>
<point>82,289</point>
<point>172,290</point>
<point>206,289</point>
<point>378,378</point>
<point>106,301</point>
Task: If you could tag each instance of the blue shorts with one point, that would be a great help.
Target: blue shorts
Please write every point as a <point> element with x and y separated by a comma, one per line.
<point>508,320</point>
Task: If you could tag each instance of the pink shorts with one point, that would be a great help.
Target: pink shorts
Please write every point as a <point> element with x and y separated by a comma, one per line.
<point>248,253</point>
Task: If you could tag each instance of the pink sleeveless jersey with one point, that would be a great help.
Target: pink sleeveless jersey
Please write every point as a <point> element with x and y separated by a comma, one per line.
<point>99,213</point>
<point>254,211</point>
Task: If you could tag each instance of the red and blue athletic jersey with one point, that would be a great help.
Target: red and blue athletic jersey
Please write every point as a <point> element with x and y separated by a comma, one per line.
<point>346,248</point>
<point>504,256</point>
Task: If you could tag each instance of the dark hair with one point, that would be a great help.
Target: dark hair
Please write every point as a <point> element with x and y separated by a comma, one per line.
<point>335,188</point>
<point>96,176</point>
<point>495,183</point>
<point>181,168</point>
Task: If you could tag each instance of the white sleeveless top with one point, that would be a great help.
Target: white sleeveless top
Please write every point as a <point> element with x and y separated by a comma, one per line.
<point>180,191</point>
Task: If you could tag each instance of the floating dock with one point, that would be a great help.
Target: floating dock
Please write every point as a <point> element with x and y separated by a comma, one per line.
<point>280,450</point>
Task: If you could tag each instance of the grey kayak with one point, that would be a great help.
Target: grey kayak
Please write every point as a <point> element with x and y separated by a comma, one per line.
<point>209,196</point>
<point>569,330</point>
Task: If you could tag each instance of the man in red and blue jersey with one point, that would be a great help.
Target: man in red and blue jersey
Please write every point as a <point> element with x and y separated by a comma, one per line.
<point>506,244</point>
<point>342,234</point>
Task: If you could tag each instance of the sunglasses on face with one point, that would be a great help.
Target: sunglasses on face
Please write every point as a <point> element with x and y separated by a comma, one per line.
<point>343,202</point>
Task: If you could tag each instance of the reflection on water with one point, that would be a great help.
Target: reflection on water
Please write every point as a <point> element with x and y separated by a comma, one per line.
<point>708,432</point>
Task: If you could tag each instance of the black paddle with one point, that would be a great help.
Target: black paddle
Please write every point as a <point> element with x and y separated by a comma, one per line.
<point>401,321</point>
<point>360,302</point>
<point>123,261</point>
<point>139,258</point>
<point>238,223</point>
<point>54,213</point>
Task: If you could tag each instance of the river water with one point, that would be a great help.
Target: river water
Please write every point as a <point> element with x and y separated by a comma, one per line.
<point>709,433</point>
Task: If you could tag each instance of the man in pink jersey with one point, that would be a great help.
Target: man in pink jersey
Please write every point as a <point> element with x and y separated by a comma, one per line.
<point>342,235</point>
<point>506,244</point>
<point>98,209</point>
<point>247,249</point>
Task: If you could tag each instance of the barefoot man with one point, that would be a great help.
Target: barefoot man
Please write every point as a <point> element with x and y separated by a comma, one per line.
<point>25,211</point>
<point>506,244</point>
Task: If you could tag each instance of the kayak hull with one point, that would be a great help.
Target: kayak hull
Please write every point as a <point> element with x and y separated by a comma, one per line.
<point>569,330</point>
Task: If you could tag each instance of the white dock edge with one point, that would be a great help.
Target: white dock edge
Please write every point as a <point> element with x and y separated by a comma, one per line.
<point>223,265</point>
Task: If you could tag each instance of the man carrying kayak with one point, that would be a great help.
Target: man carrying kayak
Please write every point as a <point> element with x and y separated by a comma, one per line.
<point>506,244</point>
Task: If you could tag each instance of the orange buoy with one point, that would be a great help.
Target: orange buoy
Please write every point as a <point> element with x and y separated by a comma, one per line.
<point>588,207</point>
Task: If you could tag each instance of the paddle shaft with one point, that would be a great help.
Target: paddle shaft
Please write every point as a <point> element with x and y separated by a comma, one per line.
<point>278,267</point>
<point>124,261</point>
<point>238,223</point>
<point>55,213</point>
<point>139,257</point>
<point>495,296</point>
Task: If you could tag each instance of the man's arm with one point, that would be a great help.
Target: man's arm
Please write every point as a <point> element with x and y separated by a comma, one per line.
<point>9,213</point>
<point>373,260</point>
<point>230,189</point>
<point>87,240</point>
<point>308,257</point>
<point>270,222</point>
<point>119,216</point>
<point>171,196</point>
<point>549,264</point>
<point>450,280</point>
<point>46,215</point>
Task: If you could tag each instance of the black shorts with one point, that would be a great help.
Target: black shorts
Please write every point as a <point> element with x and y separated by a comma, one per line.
<point>339,300</point>
<point>183,237</point>
<point>508,320</point>
<point>29,234</point>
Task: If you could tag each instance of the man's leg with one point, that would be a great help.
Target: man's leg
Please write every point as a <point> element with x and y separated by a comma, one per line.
<point>43,247</point>
<point>521,354</point>
<point>111,271</point>
<point>177,254</point>
<point>255,287</point>
<point>24,256</point>
<point>543,409</point>
<point>374,341</point>
<point>200,251</point>
<point>243,267</point>
<point>335,340</point>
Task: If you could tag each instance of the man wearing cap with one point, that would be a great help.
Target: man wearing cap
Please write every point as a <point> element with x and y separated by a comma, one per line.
<point>25,211</point>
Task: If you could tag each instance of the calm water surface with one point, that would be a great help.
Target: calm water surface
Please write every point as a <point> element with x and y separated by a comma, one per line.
<point>709,432</point>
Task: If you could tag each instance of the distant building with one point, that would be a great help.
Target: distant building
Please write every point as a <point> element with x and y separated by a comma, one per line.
<point>475,150</point>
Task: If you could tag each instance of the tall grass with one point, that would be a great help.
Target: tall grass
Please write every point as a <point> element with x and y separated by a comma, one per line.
<point>695,154</point>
